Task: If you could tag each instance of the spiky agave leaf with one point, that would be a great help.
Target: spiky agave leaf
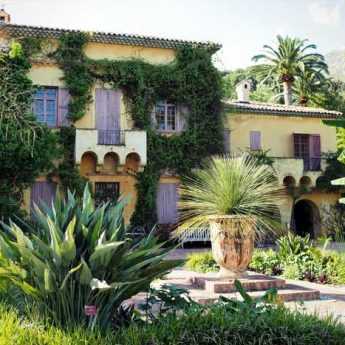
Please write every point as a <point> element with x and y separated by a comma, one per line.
<point>72,245</point>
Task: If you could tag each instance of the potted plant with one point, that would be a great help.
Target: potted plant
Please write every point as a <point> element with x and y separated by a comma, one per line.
<point>237,198</point>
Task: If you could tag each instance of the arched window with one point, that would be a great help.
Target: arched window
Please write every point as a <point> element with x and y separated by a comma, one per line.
<point>132,162</point>
<point>88,163</point>
<point>111,162</point>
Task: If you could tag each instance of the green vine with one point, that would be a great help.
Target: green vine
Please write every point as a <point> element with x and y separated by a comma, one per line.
<point>72,60</point>
<point>191,80</point>
<point>67,172</point>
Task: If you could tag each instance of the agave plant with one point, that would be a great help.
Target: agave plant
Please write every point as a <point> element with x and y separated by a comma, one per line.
<point>231,186</point>
<point>78,255</point>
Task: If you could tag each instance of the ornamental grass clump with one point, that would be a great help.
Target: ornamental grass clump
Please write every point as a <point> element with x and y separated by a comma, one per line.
<point>237,198</point>
<point>76,256</point>
<point>236,186</point>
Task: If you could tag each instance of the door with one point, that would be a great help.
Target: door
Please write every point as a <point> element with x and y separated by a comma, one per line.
<point>108,117</point>
<point>42,193</point>
<point>167,198</point>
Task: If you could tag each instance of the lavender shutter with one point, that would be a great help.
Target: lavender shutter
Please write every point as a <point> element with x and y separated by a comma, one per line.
<point>42,192</point>
<point>167,198</point>
<point>108,116</point>
<point>255,140</point>
<point>227,141</point>
<point>181,118</point>
<point>315,152</point>
<point>63,103</point>
<point>113,116</point>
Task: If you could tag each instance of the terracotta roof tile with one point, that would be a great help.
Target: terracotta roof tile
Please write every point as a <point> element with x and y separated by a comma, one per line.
<point>280,109</point>
<point>104,37</point>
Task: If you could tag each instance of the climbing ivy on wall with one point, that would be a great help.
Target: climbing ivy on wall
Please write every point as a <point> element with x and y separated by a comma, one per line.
<point>191,80</point>
<point>27,149</point>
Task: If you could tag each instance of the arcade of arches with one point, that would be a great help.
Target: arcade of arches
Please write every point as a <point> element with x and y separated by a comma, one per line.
<point>111,179</point>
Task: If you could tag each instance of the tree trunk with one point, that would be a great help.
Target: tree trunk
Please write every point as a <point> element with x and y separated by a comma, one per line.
<point>287,92</point>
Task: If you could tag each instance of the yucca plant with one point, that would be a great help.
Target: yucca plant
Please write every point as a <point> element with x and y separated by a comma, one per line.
<point>238,198</point>
<point>78,255</point>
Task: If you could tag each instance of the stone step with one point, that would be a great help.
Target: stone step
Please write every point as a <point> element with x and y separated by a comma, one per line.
<point>288,294</point>
<point>254,282</point>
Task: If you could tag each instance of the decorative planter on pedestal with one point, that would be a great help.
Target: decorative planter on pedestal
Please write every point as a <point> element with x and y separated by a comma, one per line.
<point>232,239</point>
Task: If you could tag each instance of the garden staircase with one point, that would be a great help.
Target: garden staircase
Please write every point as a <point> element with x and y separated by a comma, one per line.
<point>207,288</point>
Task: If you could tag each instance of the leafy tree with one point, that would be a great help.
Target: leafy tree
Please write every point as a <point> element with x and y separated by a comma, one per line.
<point>334,95</point>
<point>26,147</point>
<point>288,61</point>
<point>260,92</point>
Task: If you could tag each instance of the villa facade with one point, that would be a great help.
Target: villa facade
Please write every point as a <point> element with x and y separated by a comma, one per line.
<point>296,141</point>
<point>109,150</point>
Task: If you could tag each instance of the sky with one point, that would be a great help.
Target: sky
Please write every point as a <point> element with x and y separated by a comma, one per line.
<point>241,26</point>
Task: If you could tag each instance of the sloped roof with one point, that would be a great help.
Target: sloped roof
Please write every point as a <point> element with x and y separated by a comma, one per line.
<point>104,37</point>
<point>280,109</point>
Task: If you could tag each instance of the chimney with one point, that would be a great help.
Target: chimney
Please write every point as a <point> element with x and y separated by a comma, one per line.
<point>243,91</point>
<point>5,18</point>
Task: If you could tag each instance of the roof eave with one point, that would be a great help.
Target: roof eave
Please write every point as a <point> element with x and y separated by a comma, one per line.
<point>326,115</point>
<point>109,38</point>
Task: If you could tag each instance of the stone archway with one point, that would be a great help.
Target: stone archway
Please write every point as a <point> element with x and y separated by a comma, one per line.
<point>306,218</point>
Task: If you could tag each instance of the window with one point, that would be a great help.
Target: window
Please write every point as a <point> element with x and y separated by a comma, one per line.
<point>308,147</point>
<point>165,116</point>
<point>45,106</point>
<point>255,140</point>
<point>106,192</point>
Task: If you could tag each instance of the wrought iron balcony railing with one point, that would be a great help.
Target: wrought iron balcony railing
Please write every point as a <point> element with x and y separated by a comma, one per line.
<point>110,137</point>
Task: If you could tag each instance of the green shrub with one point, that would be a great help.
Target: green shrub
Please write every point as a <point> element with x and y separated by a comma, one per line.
<point>292,271</point>
<point>335,267</point>
<point>221,324</point>
<point>78,255</point>
<point>266,261</point>
<point>201,262</point>
<point>293,245</point>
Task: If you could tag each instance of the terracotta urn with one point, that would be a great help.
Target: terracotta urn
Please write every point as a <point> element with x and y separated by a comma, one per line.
<point>232,239</point>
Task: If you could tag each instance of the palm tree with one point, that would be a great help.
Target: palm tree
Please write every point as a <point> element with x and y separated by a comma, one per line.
<point>289,60</point>
<point>308,88</point>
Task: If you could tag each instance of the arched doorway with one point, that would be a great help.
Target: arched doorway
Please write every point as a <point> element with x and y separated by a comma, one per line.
<point>306,218</point>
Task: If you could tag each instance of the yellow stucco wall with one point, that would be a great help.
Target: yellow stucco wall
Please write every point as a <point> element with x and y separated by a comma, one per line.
<point>48,74</point>
<point>321,199</point>
<point>276,132</point>
<point>99,51</point>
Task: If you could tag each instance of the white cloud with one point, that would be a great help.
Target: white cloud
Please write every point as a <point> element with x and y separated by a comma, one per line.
<point>326,12</point>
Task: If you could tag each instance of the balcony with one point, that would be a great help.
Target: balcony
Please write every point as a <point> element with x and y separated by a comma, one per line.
<point>121,145</point>
<point>298,170</point>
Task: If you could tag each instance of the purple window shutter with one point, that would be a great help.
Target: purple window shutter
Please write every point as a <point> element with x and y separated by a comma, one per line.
<point>167,198</point>
<point>181,115</point>
<point>63,103</point>
<point>101,114</point>
<point>43,191</point>
<point>227,141</point>
<point>315,152</point>
<point>108,116</point>
<point>113,110</point>
<point>255,140</point>
<point>296,141</point>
